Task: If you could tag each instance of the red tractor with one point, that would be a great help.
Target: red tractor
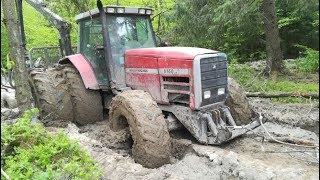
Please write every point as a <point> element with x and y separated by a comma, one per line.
<point>152,90</point>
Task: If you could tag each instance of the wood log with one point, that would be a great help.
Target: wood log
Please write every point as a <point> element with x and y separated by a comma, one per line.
<point>282,94</point>
<point>293,141</point>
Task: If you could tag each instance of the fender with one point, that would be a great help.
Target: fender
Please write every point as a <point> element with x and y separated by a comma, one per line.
<point>85,69</point>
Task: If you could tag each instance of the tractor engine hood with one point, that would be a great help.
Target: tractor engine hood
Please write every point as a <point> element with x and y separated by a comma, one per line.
<point>186,53</point>
<point>178,75</point>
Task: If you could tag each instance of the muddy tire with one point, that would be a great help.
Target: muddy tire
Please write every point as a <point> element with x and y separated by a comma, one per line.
<point>87,104</point>
<point>61,97</point>
<point>238,103</point>
<point>148,128</point>
<point>51,96</point>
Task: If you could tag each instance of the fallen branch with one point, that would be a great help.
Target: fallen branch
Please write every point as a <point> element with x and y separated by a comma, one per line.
<point>291,151</point>
<point>287,94</point>
<point>292,141</point>
<point>281,142</point>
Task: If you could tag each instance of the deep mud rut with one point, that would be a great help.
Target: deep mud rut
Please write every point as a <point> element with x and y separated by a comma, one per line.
<point>246,157</point>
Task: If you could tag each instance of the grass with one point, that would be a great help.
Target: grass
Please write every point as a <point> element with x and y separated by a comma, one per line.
<point>295,80</point>
<point>28,151</point>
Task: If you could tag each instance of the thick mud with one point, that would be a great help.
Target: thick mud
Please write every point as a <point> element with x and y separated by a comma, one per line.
<point>247,157</point>
<point>303,115</point>
<point>252,156</point>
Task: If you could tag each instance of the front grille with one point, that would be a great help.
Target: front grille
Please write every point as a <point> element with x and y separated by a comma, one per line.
<point>178,89</point>
<point>213,76</point>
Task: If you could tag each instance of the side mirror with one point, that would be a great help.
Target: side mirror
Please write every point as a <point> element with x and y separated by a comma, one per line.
<point>161,43</point>
<point>164,44</point>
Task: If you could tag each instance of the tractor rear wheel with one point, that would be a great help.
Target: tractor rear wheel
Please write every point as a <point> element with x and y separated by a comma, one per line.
<point>148,128</point>
<point>87,104</point>
<point>51,96</point>
<point>61,97</point>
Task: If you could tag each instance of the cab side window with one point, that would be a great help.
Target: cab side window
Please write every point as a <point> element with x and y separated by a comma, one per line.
<point>91,37</point>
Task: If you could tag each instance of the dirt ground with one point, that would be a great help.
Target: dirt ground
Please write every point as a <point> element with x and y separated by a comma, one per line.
<point>251,156</point>
<point>246,157</point>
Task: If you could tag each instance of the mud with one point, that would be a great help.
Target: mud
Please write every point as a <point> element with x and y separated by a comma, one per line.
<point>247,157</point>
<point>8,98</point>
<point>303,115</point>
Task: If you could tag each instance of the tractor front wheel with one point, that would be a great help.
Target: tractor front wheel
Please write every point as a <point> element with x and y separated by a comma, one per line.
<point>238,103</point>
<point>148,128</point>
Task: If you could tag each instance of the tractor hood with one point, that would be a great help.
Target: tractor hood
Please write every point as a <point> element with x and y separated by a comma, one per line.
<point>170,52</point>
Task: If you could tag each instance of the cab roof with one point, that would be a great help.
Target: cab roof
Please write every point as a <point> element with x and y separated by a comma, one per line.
<point>112,9</point>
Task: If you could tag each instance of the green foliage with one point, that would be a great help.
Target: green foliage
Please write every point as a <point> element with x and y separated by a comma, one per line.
<point>253,81</point>
<point>39,31</point>
<point>219,25</point>
<point>232,26</point>
<point>28,151</point>
<point>241,73</point>
<point>310,60</point>
<point>236,26</point>
<point>4,42</point>
<point>298,24</point>
<point>7,65</point>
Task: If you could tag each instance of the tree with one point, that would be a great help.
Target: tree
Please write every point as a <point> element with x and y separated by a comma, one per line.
<point>233,26</point>
<point>275,57</point>
<point>239,27</point>
<point>298,23</point>
<point>17,52</point>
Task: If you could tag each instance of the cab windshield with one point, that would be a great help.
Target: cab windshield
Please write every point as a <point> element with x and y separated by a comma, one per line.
<point>128,32</point>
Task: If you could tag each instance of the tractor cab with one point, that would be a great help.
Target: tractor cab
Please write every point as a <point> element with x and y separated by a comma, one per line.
<point>125,28</point>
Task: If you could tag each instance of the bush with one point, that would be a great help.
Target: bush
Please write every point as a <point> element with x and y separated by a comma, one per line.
<point>242,73</point>
<point>310,61</point>
<point>255,81</point>
<point>28,151</point>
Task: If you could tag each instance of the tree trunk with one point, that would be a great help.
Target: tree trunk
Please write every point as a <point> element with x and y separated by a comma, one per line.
<point>17,52</point>
<point>274,54</point>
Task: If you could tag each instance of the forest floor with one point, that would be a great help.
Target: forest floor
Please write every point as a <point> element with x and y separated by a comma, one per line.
<point>248,157</point>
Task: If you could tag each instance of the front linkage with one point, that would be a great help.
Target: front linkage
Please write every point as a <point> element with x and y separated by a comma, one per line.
<point>215,126</point>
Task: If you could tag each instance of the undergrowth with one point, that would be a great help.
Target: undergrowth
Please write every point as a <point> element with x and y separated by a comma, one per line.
<point>309,62</point>
<point>296,81</point>
<point>28,151</point>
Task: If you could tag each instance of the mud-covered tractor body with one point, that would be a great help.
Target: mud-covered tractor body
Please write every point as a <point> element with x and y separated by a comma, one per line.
<point>148,90</point>
<point>117,51</point>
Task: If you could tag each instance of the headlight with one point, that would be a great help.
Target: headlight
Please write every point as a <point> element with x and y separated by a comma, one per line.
<point>149,11</point>
<point>221,91</point>
<point>110,10</point>
<point>120,10</point>
<point>142,11</point>
<point>207,94</point>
